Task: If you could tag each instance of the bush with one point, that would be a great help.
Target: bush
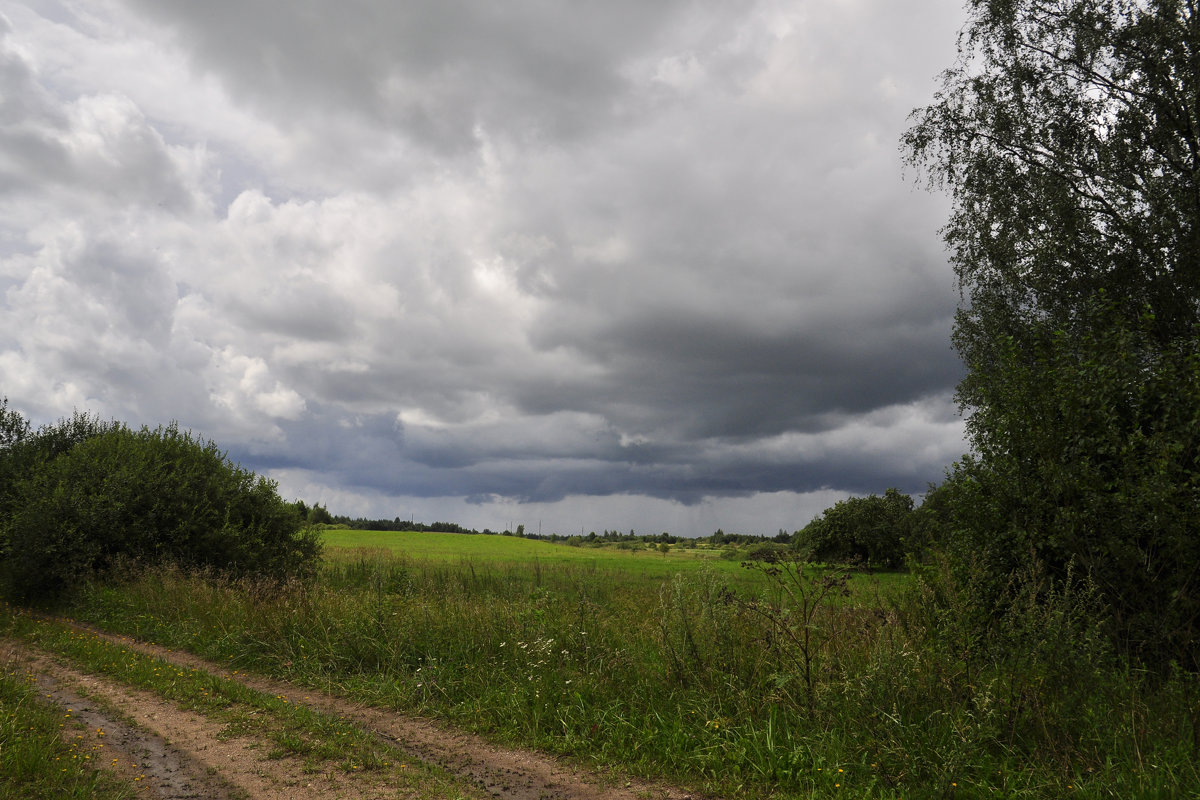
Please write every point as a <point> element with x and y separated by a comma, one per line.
<point>769,552</point>
<point>114,495</point>
<point>871,531</point>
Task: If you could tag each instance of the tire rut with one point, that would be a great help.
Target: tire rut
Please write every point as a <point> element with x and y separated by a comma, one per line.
<point>499,772</point>
<point>162,770</point>
<point>169,753</point>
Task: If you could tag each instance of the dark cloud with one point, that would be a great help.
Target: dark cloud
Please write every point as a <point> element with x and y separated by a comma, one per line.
<point>621,255</point>
<point>735,381</point>
<point>436,69</point>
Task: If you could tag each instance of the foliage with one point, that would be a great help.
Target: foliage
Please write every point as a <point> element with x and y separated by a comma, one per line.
<point>22,450</point>
<point>316,515</point>
<point>1098,470</point>
<point>13,427</point>
<point>89,496</point>
<point>871,531</point>
<point>13,430</point>
<point>926,695</point>
<point>769,552</point>
<point>1066,133</point>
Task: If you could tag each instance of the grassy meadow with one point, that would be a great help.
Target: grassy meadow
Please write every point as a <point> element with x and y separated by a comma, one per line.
<point>772,681</point>
<point>426,546</point>
<point>619,563</point>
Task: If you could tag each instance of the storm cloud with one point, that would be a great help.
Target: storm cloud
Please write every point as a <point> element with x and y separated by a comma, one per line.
<point>628,264</point>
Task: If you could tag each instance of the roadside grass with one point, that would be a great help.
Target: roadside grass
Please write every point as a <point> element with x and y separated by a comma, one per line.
<point>319,739</point>
<point>767,685</point>
<point>39,762</point>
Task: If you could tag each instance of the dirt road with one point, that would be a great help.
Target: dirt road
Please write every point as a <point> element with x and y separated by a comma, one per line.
<point>174,753</point>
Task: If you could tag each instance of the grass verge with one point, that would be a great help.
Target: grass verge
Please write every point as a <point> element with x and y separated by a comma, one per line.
<point>39,762</point>
<point>745,692</point>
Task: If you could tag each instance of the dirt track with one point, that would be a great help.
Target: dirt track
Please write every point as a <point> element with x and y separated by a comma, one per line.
<point>174,753</point>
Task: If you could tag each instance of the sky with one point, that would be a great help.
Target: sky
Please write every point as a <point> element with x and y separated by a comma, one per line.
<point>652,266</point>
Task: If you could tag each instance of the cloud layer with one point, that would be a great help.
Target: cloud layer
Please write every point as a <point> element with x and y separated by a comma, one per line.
<point>487,258</point>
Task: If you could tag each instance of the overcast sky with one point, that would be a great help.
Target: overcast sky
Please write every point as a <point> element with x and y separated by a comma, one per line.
<point>622,264</point>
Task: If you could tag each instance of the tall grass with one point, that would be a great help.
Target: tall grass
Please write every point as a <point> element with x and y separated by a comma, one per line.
<point>703,679</point>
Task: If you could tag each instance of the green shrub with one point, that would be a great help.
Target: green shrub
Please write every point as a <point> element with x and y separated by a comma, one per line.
<point>150,496</point>
<point>767,551</point>
<point>871,531</point>
<point>22,450</point>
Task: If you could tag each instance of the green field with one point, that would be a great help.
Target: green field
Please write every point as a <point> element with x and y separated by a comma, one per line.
<point>609,563</point>
<point>512,549</point>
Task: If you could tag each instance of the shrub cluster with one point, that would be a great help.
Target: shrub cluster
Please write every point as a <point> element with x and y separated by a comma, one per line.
<point>82,496</point>
<point>870,531</point>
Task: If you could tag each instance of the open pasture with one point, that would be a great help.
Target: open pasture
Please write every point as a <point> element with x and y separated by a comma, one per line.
<point>424,545</point>
<point>539,560</point>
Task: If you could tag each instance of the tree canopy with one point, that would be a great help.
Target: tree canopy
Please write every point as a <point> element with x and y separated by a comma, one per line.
<point>1068,134</point>
<point>870,531</point>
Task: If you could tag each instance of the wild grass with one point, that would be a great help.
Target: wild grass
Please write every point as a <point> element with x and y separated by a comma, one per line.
<point>725,682</point>
<point>625,563</point>
<point>39,760</point>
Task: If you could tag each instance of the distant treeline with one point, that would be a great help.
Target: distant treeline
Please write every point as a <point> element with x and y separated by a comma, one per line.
<point>319,515</point>
<point>397,524</point>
